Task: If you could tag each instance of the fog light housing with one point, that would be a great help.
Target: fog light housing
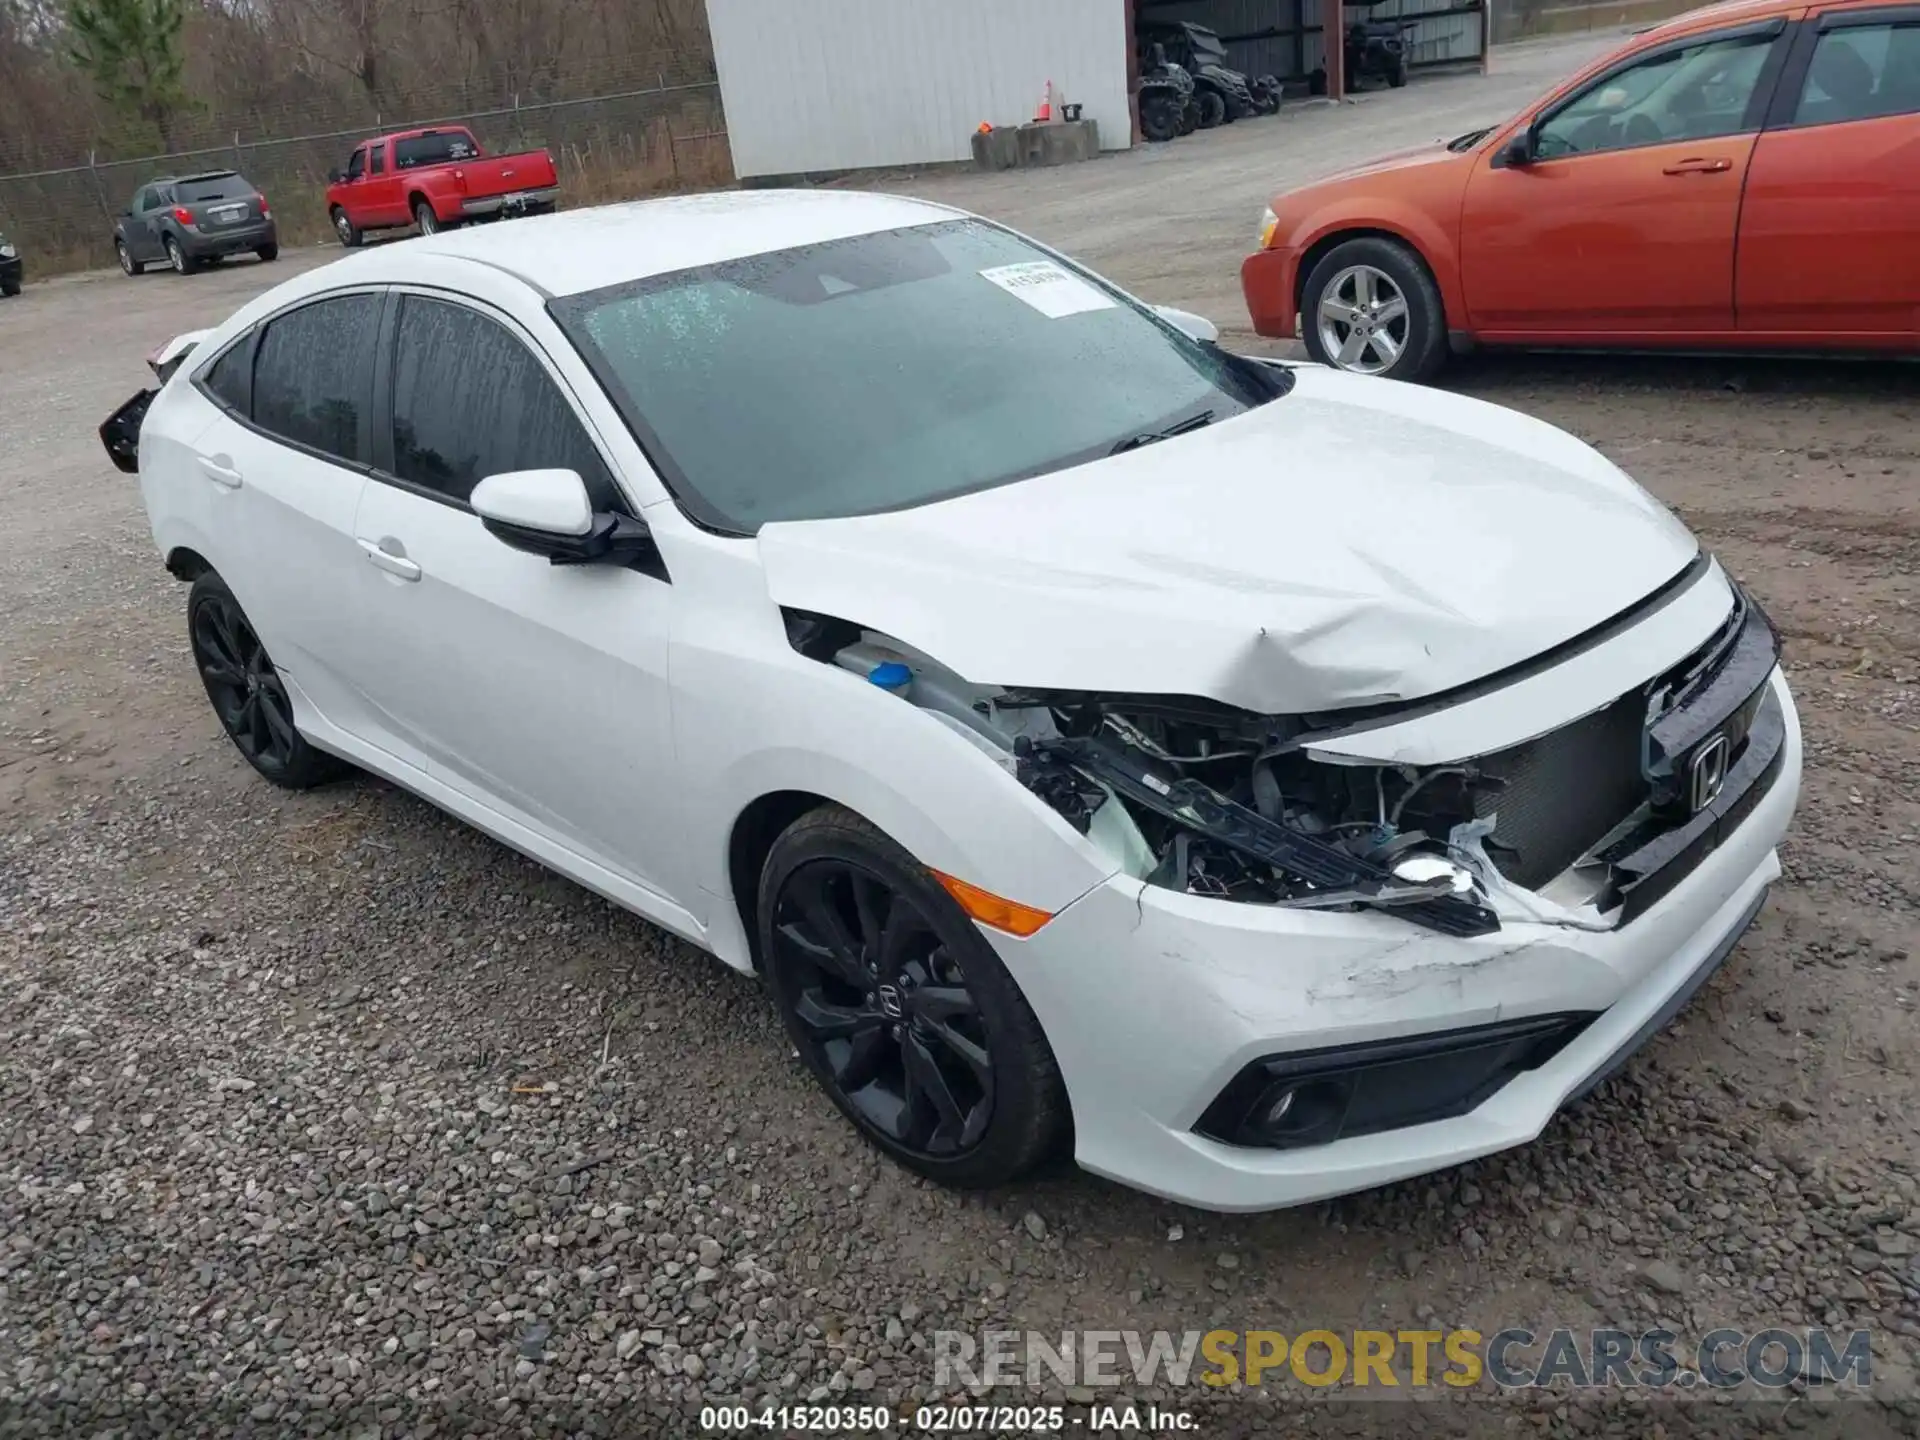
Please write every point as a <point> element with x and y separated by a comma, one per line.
<point>1314,1097</point>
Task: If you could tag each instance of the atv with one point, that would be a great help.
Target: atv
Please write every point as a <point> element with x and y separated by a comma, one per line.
<point>1221,94</point>
<point>1167,105</point>
<point>1377,49</point>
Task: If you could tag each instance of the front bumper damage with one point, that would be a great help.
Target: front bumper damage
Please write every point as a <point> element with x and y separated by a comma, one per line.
<point>1349,969</point>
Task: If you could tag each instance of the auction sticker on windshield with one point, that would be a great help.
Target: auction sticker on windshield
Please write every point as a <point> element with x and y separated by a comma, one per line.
<point>1047,288</point>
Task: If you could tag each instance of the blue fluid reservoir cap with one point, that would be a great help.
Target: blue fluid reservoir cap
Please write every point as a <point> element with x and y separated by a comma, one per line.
<point>890,675</point>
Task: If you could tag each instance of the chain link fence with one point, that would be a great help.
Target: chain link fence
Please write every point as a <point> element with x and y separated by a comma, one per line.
<point>640,141</point>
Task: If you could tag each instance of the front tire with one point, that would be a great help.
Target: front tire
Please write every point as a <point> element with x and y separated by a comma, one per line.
<point>901,1009</point>
<point>1159,119</point>
<point>247,693</point>
<point>1370,307</point>
<point>127,263</point>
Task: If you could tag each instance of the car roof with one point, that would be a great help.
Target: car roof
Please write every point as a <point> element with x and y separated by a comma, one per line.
<point>1733,12</point>
<point>580,250</point>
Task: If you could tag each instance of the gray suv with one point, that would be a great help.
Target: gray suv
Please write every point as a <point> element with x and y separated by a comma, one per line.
<point>186,220</point>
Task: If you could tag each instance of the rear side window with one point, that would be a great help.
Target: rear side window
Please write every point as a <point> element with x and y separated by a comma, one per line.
<point>377,156</point>
<point>433,149</point>
<point>312,374</point>
<point>471,400</point>
<point>226,380</point>
<point>212,187</point>
<point>1862,72</point>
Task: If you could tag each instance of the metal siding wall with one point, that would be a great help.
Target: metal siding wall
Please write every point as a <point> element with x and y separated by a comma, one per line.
<point>860,84</point>
<point>1440,39</point>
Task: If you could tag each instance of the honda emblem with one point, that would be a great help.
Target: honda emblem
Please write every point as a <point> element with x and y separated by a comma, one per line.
<point>1708,772</point>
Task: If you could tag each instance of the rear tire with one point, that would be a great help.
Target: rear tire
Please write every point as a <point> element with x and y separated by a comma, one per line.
<point>179,259</point>
<point>9,288</point>
<point>345,230</point>
<point>268,253</point>
<point>1213,109</point>
<point>904,1014</point>
<point>1398,75</point>
<point>247,693</point>
<point>424,217</point>
<point>1422,338</point>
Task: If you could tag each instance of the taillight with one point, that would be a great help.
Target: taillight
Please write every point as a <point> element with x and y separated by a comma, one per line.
<point>183,214</point>
<point>265,213</point>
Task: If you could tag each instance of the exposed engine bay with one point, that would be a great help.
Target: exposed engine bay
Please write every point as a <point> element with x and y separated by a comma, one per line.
<point>1206,799</point>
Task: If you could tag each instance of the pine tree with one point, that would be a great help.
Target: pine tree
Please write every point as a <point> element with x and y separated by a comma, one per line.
<point>133,52</point>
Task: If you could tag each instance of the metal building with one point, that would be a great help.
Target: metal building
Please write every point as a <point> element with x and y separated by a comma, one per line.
<point>820,86</point>
<point>815,86</point>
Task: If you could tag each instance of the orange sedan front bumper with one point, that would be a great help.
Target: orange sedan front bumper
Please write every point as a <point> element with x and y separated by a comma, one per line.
<point>1266,279</point>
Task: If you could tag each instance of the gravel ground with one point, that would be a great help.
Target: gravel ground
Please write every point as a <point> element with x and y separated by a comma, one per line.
<point>327,1114</point>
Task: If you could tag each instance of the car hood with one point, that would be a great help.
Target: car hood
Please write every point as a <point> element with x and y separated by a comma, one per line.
<point>1354,542</point>
<point>1435,153</point>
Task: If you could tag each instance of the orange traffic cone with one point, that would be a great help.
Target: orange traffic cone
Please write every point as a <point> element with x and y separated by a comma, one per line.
<point>1045,113</point>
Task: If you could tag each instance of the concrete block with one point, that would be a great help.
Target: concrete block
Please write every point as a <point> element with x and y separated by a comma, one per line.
<point>1023,146</point>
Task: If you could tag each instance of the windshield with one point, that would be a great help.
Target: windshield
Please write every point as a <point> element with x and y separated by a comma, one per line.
<point>436,149</point>
<point>1207,48</point>
<point>889,370</point>
<point>211,187</point>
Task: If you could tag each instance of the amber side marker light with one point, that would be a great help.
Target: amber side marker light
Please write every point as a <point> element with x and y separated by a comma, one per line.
<point>990,909</point>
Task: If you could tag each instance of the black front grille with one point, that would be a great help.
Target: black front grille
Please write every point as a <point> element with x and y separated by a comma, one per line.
<point>1565,791</point>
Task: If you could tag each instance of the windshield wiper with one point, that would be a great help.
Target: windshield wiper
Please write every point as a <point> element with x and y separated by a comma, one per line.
<point>1147,437</point>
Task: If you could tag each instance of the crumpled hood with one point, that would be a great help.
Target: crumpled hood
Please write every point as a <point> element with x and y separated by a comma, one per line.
<point>1355,541</point>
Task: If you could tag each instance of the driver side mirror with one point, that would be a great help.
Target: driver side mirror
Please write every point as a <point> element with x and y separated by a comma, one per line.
<point>547,512</point>
<point>1519,150</point>
<point>335,176</point>
<point>1194,327</point>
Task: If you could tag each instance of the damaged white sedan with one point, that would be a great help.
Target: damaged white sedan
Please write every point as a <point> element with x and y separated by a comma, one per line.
<point>1272,781</point>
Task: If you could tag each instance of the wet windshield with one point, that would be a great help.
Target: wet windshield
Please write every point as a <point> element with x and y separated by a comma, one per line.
<point>890,370</point>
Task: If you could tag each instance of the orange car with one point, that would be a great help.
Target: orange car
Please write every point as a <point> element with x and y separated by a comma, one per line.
<point>1746,176</point>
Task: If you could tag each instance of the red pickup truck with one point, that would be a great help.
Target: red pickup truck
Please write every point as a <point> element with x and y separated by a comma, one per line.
<point>435,179</point>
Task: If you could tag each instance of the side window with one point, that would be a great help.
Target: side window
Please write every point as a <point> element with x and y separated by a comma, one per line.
<point>470,400</point>
<point>1696,92</point>
<point>1862,72</point>
<point>312,374</point>
<point>377,159</point>
<point>357,166</point>
<point>226,379</point>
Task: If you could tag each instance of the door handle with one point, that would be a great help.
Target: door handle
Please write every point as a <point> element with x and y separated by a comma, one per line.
<point>223,475</point>
<point>388,561</point>
<point>1698,167</point>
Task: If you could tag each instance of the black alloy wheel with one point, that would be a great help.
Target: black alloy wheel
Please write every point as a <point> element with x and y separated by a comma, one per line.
<point>901,1009</point>
<point>247,693</point>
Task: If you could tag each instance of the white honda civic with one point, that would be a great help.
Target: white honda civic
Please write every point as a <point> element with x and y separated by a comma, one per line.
<point>1270,782</point>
